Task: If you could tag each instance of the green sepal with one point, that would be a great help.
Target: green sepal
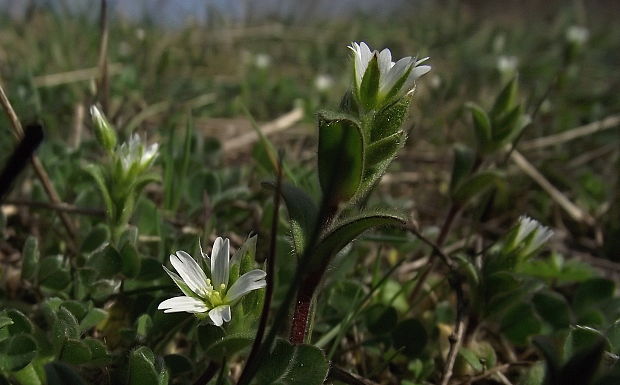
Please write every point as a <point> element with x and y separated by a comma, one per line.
<point>369,88</point>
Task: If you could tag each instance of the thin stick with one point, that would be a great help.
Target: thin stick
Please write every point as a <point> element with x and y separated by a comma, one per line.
<point>574,211</point>
<point>282,123</point>
<point>64,207</point>
<point>18,132</point>
<point>575,133</point>
<point>103,87</point>
<point>336,373</point>
<point>262,325</point>
<point>80,75</point>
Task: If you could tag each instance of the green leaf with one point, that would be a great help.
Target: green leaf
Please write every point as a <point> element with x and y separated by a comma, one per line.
<point>482,125</point>
<point>462,166</point>
<point>65,326</point>
<point>27,376</point>
<point>613,334</point>
<point>471,358</point>
<point>381,319</point>
<point>20,323</point>
<point>553,308</point>
<point>591,293</point>
<point>302,212</point>
<point>178,364</point>
<point>582,366</point>
<point>17,352</point>
<point>99,235</point>
<point>98,352</point>
<point>506,100</point>
<point>346,231</point>
<point>92,318</point>
<point>97,174</point>
<point>130,260</point>
<point>30,258</point>
<point>410,336</point>
<point>507,127</point>
<point>293,365</point>
<point>58,373</point>
<point>477,184</point>
<point>582,338</point>
<point>74,352</point>
<point>520,322</point>
<point>106,262</point>
<point>369,88</point>
<point>340,157</point>
<point>77,308</point>
<point>54,273</point>
<point>227,345</point>
<point>143,370</point>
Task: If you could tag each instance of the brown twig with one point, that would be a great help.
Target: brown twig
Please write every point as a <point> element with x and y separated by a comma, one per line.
<point>103,86</point>
<point>18,132</point>
<point>62,207</point>
<point>262,325</point>
<point>456,339</point>
<point>574,211</point>
<point>336,373</point>
<point>575,133</point>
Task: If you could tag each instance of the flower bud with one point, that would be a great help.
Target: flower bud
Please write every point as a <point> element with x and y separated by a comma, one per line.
<point>103,130</point>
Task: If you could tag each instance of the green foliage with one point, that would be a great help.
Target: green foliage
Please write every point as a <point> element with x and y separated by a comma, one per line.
<point>293,364</point>
<point>340,157</point>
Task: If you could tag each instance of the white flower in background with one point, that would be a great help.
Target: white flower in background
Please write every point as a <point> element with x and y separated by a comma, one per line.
<point>395,78</point>
<point>532,234</point>
<point>134,154</point>
<point>507,64</point>
<point>262,60</point>
<point>212,295</point>
<point>323,82</point>
<point>577,34</point>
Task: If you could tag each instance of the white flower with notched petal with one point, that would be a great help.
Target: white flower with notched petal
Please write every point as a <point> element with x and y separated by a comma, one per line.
<point>395,79</point>
<point>531,234</point>
<point>212,295</point>
<point>134,154</point>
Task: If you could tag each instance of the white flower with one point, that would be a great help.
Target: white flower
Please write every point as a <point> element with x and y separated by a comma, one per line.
<point>507,64</point>
<point>212,295</point>
<point>533,233</point>
<point>323,82</point>
<point>577,34</point>
<point>134,154</point>
<point>395,78</point>
<point>262,60</point>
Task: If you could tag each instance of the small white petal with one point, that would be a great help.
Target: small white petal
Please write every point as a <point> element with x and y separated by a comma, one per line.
<point>399,69</point>
<point>204,255</point>
<point>189,270</point>
<point>249,281</point>
<point>420,70</point>
<point>179,282</point>
<point>220,263</point>
<point>385,61</point>
<point>220,314</point>
<point>183,304</point>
